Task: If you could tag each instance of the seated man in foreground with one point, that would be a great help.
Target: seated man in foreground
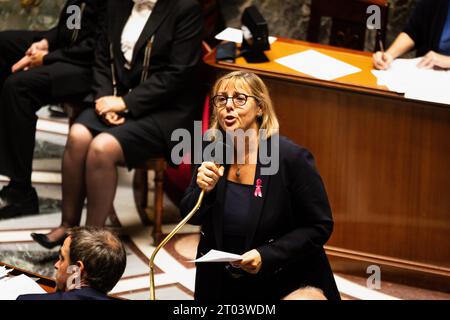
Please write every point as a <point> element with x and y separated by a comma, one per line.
<point>91,262</point>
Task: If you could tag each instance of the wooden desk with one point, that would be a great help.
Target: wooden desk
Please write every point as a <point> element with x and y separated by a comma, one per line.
<point>385,161</point>
<point>46,283</point>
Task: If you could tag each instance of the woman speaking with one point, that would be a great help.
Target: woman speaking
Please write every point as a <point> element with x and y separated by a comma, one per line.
<point>278,223</point>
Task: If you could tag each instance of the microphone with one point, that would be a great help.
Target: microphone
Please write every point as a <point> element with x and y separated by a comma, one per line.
<point>217,160</point>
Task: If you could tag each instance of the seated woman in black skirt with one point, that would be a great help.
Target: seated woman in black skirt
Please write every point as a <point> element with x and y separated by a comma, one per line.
<point>277,217</point>
<point>144,89</point>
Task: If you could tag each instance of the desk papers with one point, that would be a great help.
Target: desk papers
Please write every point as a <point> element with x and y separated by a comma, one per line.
<point>4,272</point>
<point>235,35</point>
<point>420,84</point>
<point>317,65</point>
<point>12,287</point>
<point>218,256</point>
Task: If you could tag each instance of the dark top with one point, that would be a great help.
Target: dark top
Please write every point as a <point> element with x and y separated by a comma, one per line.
<point>444,43</point>
<point>71,45</point>
<point>290,221</point>
<point>426,25</point>
<point>73,50</point>
<point>76,294</point>
<point>236,216</point>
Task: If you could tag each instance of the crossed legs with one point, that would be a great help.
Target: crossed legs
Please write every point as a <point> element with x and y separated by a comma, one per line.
<point>89,171</point>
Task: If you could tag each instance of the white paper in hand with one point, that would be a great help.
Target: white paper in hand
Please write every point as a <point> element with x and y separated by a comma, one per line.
<point>218,256</point>
<point>317,65</point>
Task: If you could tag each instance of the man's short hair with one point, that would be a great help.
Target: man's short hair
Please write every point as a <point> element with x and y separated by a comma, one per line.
<point>103,256</point>
<point>306,293</point>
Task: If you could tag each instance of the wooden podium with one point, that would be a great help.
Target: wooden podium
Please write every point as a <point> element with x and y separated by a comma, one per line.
<point>384,159</point>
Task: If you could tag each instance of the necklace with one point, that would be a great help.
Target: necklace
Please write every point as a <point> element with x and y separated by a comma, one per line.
<point>238,170</point>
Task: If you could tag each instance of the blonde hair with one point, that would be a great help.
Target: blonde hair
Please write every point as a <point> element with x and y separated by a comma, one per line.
<point>269,121</point>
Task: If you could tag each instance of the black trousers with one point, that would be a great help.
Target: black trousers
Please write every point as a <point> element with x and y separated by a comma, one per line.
<point>22,94</point>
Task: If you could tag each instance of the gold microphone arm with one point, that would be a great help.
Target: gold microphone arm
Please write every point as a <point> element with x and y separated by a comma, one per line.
<point>166,239</point>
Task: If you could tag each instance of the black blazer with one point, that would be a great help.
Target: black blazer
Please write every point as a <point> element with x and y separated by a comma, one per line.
<point>73,48</point>
<point>169,93</point>
<point>76,46</point>
<point>426,24</point>
<point>291,223</point>
<point>77,294</point>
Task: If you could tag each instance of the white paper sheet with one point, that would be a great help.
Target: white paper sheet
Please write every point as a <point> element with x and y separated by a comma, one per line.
<point>318,65</point>
<point>438,93</point>
<point>235,35</point>
<point>11,288</point>
<point>4,272</point>
<point>420,84</point>
<point>218,256</point>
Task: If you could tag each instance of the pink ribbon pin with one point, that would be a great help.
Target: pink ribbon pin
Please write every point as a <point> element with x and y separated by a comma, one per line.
<point>258,192</point>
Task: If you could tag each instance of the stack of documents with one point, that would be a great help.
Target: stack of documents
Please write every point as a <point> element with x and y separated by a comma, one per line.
<point>236,35</point>
<point>4,272</point>
<point>420,84</point>
<point>12,287</point>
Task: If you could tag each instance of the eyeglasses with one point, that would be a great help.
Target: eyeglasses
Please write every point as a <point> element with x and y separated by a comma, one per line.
<point>239,100</point>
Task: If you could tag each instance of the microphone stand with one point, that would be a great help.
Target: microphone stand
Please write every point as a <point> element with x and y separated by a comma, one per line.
<point>166,239</point>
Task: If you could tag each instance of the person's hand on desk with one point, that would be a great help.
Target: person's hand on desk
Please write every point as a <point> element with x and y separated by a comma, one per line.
<point>382,60</point>
<point>107,104</point>
<point>434,60</point>
<point>251,262</point>
<point>208,175</point>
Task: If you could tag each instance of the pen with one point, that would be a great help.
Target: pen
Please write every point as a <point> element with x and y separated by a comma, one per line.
<point>380,42</point>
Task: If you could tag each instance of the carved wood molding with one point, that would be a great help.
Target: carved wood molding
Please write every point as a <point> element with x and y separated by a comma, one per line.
<point>389,261</point>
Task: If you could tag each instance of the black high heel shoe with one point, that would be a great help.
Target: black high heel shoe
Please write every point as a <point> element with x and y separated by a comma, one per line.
<point>44,241</point>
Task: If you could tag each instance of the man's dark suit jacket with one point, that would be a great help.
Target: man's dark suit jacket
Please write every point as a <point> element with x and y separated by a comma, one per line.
<point>73,47</point>
<point>76,294</point>
<point>290,224</point>
<point>169,95</point>
<point>76,46</point>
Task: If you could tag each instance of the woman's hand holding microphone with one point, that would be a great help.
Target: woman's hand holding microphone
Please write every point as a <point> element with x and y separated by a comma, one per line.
<point>208,175</point>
